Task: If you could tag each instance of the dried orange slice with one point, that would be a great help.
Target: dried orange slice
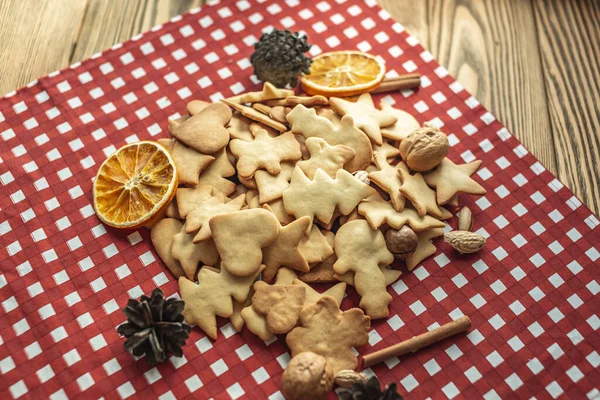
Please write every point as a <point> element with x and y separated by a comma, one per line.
<point>134,184</point>
<point>343,73</point>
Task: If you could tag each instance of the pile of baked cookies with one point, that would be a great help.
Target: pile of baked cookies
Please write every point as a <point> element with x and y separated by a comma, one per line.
<point>279,191</point>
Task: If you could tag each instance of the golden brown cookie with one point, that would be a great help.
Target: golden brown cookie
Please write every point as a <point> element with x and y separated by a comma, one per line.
<point>362,249</point>
<point>326,330</point>
<point>424,247</point>
<point>162,236</point>
<point>239,127</point>
<point>420,195</point>
<point>265,152</point>
<point>213,296</point>
<point>387,178</point>
<point>190,254</point>
<point>316,247</point>
<point>386,150</point>
<point>271,187</point>
<point>320,197</point>
<point>378,211</point>
<point>268,92</point>
<point>366,117</point>
<point>277,208</point>
<point>197,220</point>
<point>195,106</point>
<point>216,173</point>
<point>404,125</point>
<point>205,131</point>
<point>189,163</point>
<point>337,292</point>
<point>257,323</point>
<point>449,179</point>
<point>305,122</point>
<point>190,198</point>
<point>285,251</point>
<point>281,305</point>
<point>329,158</point>
<point>240,238</point>
<point>257,116</point>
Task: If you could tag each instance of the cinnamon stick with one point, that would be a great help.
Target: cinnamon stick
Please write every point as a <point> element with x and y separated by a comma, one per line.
<point>418,342</point>
<point>408,81</point>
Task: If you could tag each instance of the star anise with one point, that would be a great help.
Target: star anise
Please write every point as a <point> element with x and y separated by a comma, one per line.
<point>154,327</point>
<point>371,390</point>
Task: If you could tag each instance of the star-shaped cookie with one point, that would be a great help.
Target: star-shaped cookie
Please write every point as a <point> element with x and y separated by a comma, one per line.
<point>189,163</point>
<point>405,124</point>
<point>386,150</point>
<point>420,195</point>
<point>377,211</point>
<point>424,247</point>
<point>366,116</point>
<point>265,152</point>
<point>268,92</point>
<point>329,158</point>
<point>285,251</point>
<point>449,178</point>
<point>197,220</point>
<point>190,198</point>
<point>216,173</point>
<point>387,179</point>
<point>190,254</point>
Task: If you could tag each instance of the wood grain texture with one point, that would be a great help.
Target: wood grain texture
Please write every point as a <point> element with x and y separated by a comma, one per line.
<point>569,33</point>
<point>27,49</point>
<point>532,63</point>
<point>109,22</point>
<point>491,48</point>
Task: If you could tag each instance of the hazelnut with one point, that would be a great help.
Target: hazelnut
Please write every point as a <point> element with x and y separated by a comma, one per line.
<point>424,148</point>
<point>307,376</point>
<point>401,242</point>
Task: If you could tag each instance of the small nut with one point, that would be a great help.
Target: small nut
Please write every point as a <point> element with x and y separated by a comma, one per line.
<point>307,376</point>
<point>401,242</point>
<point>465,220</point>
<point>424,148</point>
<point>465,242</point>
<point>347,377</point>
<point>362,176</point>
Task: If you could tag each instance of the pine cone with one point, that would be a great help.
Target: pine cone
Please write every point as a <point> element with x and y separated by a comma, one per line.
<point>279,57</point>
<point>154,327</point>
<point>370,390</point>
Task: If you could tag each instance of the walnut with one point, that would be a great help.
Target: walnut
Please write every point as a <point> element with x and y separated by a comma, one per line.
<point>307,376</point>
<point>424,148</point>
<point>401,242</point>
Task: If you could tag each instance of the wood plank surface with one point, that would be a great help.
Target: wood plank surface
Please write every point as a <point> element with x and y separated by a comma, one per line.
<point>27,49</point>
<point>521,59</point>
<point>569,33</point>
<point>108,22</point>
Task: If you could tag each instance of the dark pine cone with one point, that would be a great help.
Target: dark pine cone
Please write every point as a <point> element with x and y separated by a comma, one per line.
<point>369,391</point>
<point>279,57</point>
<point>154,327</point>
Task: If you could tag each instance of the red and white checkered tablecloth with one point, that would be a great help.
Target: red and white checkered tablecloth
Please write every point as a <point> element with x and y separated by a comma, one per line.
<point>532,293</point>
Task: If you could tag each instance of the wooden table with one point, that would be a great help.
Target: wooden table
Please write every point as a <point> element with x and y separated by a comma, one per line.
<point>535,64</point>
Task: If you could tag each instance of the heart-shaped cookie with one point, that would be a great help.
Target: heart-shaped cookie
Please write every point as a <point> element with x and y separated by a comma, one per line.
<point>240,237</point>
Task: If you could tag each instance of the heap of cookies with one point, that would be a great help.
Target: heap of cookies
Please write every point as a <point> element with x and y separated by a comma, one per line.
<point>278,191</point>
